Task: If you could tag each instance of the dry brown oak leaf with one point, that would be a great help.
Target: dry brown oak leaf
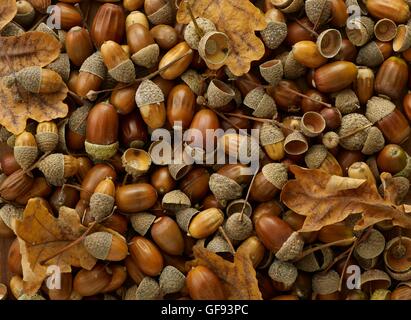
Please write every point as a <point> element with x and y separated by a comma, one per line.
<point>238,277</point>
<point>41,235</point>
<point>325,199</point>
<point>8,10</point>
<point>16,104</point>
<point>238,19</point>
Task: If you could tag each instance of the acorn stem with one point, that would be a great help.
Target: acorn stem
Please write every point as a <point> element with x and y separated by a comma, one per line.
<point>349,134</point>
<point>248,194</point>
<point>309,98</point>
<point>221,229</point>
<point>346,263</point>
<point>199,32</point>
<point>306,28</point>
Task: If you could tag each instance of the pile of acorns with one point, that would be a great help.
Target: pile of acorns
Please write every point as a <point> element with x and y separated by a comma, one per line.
<point>330,93</point>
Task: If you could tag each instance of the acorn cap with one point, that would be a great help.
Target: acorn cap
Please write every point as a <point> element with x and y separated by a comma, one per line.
<point>378,108</point>
<point>194,80</point>
<point>293,7</point>
<point>363,31</point>
<point>164,15</point>
<point>8,213</point>
<point>42,27</point>
<point>178,171</point>
<point>101,205</point>
<point>190,33</point>
<point>11,29</point>
<point>274,34</point>
<point>311,263</point>
<point>100,151</point>
<point>262,104</point>
<point>329,43</point>
<point>402,40</point>
<point>25,155</point>
<point>366,264</point>
<point>52,167</point>
<point>276,173</point>
<point>372,246</point>
<point>237,205</point>
<point>326,283</point>
<point>292,68</point>
<point>176,200</point>
<point>183,217</point>
<point>219,94</point>
<point>402,185</point>
<point>142,221</point>
<point>238,226</point>
<point>291,248</point>
<point>376,275</point>
<point>98,244</point>
<point>224,188</point>
<point>350,123</point>
<point>315,156</point>
<point>147,57</point>
<point>370,55</point>
<point>30,78</point>
<point>346,101</point>
<point>375,141</point>
<point>171,280</point>
<point>33,297</point>
<point>62,66</point>
<point>47,141</point>
<point>61,146</point>
<point>295,143</point>
<point>270,134</point>
<point>272,71</point>
<point>385,30</point>
<point>123,72</point>
<point>148,93</point>
<point>318,11</point>
<point>218,245</point>
<point>214,47</point>
<point>78,120</point>
<point>406,171</point>
<point>148,289</point>
<point>95,65</point>
<point>283,272</point>
<point>136,161</point>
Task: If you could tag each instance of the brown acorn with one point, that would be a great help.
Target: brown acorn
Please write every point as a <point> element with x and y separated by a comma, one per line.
<point>57,167</point>
<point>178,67</point>
<point>15,185</point>
<point>119,66</point>
<point>146,255</point>
<point>159,11</point>
<point>78,45</point>
<point>364,85</point>
<point>135,197</point>
<point>205,223</point>
<point>391,78</point>
<point>69,16</point>
<point>106,246</point>
<point>165,36</point>
<point>334,76</point>
<point>47,136</point>
<point>180,106</point>
<point>203,284</point>
<point>307,53</point>
<point>39,80</point>
<point>91,282</point>
<point>276,30</point>
<point>268,182</point>
<point>396,10</point>
<point>25,149</point>
<point>108,24</point>
<point>167,235</point>
<point>150,101</point>
<point>144,51</point>
<point>272,140</point>
<point>123,99</point>
<point>102,200</point>
<point>91,75</point>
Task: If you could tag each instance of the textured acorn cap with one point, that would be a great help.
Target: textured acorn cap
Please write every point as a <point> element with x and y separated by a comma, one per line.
<point>101,205</point>
<point>355,3</point>
<point>62,66</point>
<point>47,141</point>
<point>363,32</point>
<point>30,78</point>
<point>402,185</point>
<point>372,246</point>
<point>178,171</point>
<point>183,217</point>
<point>53,168</point>
<point>326,283</point>
<point>78,120</point>
<point>95,65</point>
<point>318,11</point>
<point>9,212</point>
<point>292,68</point>
<point>406,172</point>
<point>194,80</point>
<point>378,108</point>
<point>171,280</point>
<point>311,263</point>
<point>238,226</point>
<point>329,43</point>
<point>376,275</point>
<point>142,221</point>
<point>11,29</point>
<point>293,7</point>
<point>270,134</point>
<point>375,141</point>
<point>147,57</point>
<point>123,72</point>
<point>190,33</point>
<point>25,155</point>
<point>100,151</point>
<point>402,40</point>
<point>272,71</point>
<point>346,101</point>
<point>176,200</point>
<point>370,55</point>
<point>148,93</point>
<point>218,245</point>
<point>148,289</point>
<point>349,124</point>
<point>35,296</point>
<point>283,272</point>
<point>275,173</point>
<point>42,27</point>
<point>274,34</point>
<point>214,47</point>
<point>224,188</point>
<point>238,205</point>
<point>262,104</point>
<point>388,31</point>
<point>98,244</point>
<point>295,137</point>
<point>219,94</point>
<point>366,264</point>
<point>291,248</point>
<point>164,15</point>
<point>315,156</point>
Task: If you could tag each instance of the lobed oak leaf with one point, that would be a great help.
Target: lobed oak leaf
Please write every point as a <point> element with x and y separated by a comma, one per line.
<point>238,19</point>
<point>238,277</point>
<point>41,235</point>
<point>325,199</point>
<point>8,10</point>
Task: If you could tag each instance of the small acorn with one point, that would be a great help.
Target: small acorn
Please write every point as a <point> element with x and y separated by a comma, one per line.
<point>62,66</point>
<point>102,200</point>
<point>183,217</point>
<point>238,226</point>
<point>175,201</point>
<point>142,221</point>
<point>262,103</point>
<point>268,182</point>
<point>351,123</point>
<point>148,289</point>
<point>218,245</point>
<point>171,280</point>
<point>205,223</point>
<point>47,136</point>
<point>150,101</point>
<point>318,157</point>
<point>276,30</point>
<point>191,34</point>
<point>372,246</point>
<point>25,149</point>
<point>25,13</point>
<point>272,71</point>
<point>57,167</point>
<point>346,101</point>
<point>119,66</point>
<point>106,246</point>
<point>91,75</point>
<point>136,161</point>
<point>144,51</point>
<point>331,140</point>
<point>318,11</point>
<point>159,11</point>
<point>39,80</point>
<point>272,140</point>
<point>284,274</point>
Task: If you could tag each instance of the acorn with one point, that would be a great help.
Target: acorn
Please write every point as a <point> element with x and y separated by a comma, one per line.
<point>292,68</point>
<point>385,29</point>
<point>214,47</point>
<point>272,140</point>
<point>392,158</point>
<point>318,11</point>
<point>47,136</point>
<point>171,280</point>
<point>325,283</point>
<point>176,68</point>
<point>91,282</point>
<point>137,17</point>
<point>165,36</point>
<point>67,14</point>
<point>396,10</point>
<point>167,235</point>
<point>25,149</point>
<point>350,123</point>
<point>39,80</point>
<point>334,76</point>
<point>364,85</point>
<point>396,258</point>
<point>388,119</point>
<point>370,55</point>
<point>268,182</point>
<point>372,246</point>
<point>318,157</point>
<point>284,274</point>
<point>119,66</point>
<point>218,245</point>
<point>224,188</point>
<point>276,30</point>
<point>148,289</point>
<point>108,24</point>
<point>106,246</point>
<point>78,45</point>
<point>360,30</point>
<point>10,213</point>
<point>183,217</point>
<point>144,51</point>
<point>57,167</point>
<point>75,135</point>
<point>203,284</point>
<point>62,66</point>
<point>321,260</point>
<point>150,101</point>
<point>308,54</point>
<point>391,78</point>
<point>136,197</point>
<point>91,75</point>
<point>25,13</point>
<point>347,101</point>
<point>102,200</point>
<point>194,80</point>
<point>136,161</point>
<point>295,144</point>
<point>263,104</point>
<point>238,226</point>
<point>272,71</point>
<point>375,279</point>
<point>142,221</point>
<point>219,94</point>
<point>159,11</point>
<point>339,13</point>
<point>205,223</point>
<point>191,35</point>
<point>15,185</point>
<point>146,255</point>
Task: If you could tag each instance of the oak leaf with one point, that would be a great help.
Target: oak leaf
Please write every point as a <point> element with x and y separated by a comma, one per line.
<point>238,19</point>
<point>41,235</point>
<point>238,277</point>
<point>8,10</point>
<point>325,199</point>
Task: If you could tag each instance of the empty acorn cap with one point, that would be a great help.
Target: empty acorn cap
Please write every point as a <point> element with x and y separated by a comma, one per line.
<point>311,263</point>
<point>178,171</point>
<point>270,134</point>
<point>370,55</point>
<point>176,200</point>
<point>274,34</point>
<point>148,289</point>
<point>366,264</point>
<point>262,104</point>
<point>295,143</point>
<point>183,217</point>
<point>219,93</point>
<point>164,15</point>
<point>148,93</point>
<point>329,43</point>
<point>346,101</point>
<point>237,206</point>
<point>95,65</point>
<point>194,80</point>
<point>402,40</point>
<point>147,57</point>
<point>190,33</point>
<point>238,226</point>
<point>382,277</point>
<point>372,246</point>
<point>52,167</point>
<point>9,212</point>
<point>283,272</point>
<point>318,11</point>
<point>350,123</point>
<point>272,71</point>
<point>123,72</point>
<point>293,7</point>
<point>315,156</point>
<point>171,280</point>
<point>101,151</point>
<point>385,29</point>
<point>375,141</point>
<point>136,161</point>
<point>292,68</point>
<point>362,32</point>
<point>62,66</point>
<point>218,245</point>
<point>224,188</point>
<point>291,248</point>
<point>326,283</point>
<point>98,244</point>
<point>276,173</point>
<point>142,221</point>
<point>214,47</point>
<point>378,108</point>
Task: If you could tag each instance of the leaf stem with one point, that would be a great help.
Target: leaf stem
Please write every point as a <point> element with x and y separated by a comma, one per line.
<point>221,229</point>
